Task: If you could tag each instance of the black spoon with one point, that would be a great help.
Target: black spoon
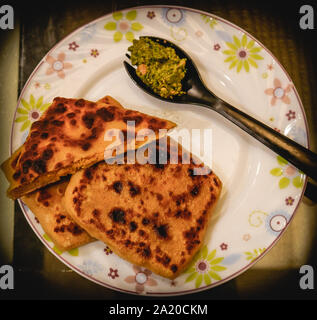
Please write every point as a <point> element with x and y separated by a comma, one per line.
<point>198,94</point>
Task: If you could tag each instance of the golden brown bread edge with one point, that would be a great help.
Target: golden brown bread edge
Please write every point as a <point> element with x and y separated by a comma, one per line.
<point>70,136</point>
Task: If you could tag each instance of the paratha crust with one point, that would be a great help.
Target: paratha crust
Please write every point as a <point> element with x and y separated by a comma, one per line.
<point>70,136</point>
<point>46,204</point>
<point>153,215</point>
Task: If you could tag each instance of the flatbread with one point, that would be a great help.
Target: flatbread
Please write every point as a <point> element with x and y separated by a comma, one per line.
<point>46,204</point>
<point>153,215</point>
<point>70,136</point>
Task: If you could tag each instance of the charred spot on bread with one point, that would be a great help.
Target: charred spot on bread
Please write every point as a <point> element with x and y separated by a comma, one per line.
<point>195,190</point>
<point>88,173</point>
<point>96,213</point>
<point>190,233</point>
<point>161,230</point>
<point>117,215</point>
<point>47,154</point>
<point>137,119</point>
<point>105,114</point>
<point>71,115</point>
<point>60,108</point>
<point>174,268</point>
<point>133,226</point>
<point>34,134</point>
<point>80,103</point>
<point>57,123</point>
<point>39,166</point>
<point>16,175</point>
<point>134,189</point>
<point>145,221</point>
<point>86,146</point>
<point>146,252</point>
<point>159,197</point>
<point>164,260</point>
<point>184,214</point>
<point>26,165</point>
<point>88,120</point>
<point>117,186</point>
<point>43,194</point>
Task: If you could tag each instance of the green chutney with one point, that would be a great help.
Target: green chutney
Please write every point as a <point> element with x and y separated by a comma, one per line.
<point>159,67</point>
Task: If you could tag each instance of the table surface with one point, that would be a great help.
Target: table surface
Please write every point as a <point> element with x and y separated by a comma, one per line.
<point>276,274</point>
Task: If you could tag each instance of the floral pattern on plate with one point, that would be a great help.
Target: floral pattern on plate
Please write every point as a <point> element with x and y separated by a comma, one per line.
<point>205,268</point>
<point>30,111</point>
<point>124,25</point>
<point>242,53</point>
<point>287,174</point>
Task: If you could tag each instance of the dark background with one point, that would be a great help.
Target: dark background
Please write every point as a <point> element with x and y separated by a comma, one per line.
<point>274,23</point>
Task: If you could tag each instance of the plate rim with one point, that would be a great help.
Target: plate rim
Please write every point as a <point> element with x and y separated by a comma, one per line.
<point>190,291</point>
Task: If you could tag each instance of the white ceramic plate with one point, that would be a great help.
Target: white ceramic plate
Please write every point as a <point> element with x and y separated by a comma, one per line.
<point>261,191</point>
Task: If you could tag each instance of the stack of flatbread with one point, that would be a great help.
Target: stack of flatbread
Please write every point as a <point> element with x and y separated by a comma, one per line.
<point>153,214</point>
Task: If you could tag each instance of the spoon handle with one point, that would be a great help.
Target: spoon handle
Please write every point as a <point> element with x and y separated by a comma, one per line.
<point>301,157</point>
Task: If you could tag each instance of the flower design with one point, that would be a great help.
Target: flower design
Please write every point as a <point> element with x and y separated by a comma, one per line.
<point>173,16</point>
<point>30,111</point>
<point>242,53</point>
<point>223,246</point>
<point>287,173</point>
<point>37,85</point>
<point>246,237</point>
<point>270,66</point>
<point>178,34</point>
<point>107,250</point>
<point>252,255</point>
<point>256,217</point>
<point>113,273</point>
<point>58,65</point>
<point>276,221</point>
<point>277,92</point>
<point>123,25</point>
<point>199,33</point>
<point>211,21</point>
<point>173,283</point>
<point>141,279</point>
<point>217,47</point>
<point>73,46</point>
<point>205,267</point>
<point>264,75</point>
<point>290,115</point>
<point>94,53</point>
<point>151,14</point>
<point>289,201</point>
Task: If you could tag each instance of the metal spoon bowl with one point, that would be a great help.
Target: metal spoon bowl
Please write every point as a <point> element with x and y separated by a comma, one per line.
<point>197,93</point>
